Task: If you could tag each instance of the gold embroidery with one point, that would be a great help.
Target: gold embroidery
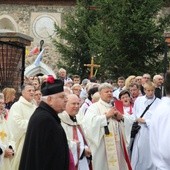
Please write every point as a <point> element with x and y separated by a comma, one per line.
<point>110,134</point>
<point>2,135</point>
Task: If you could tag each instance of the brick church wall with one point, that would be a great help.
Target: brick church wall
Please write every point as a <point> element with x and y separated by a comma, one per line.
<point>28,16</point>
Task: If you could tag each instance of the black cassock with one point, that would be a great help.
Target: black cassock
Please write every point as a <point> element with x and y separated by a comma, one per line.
<point>45,146</point>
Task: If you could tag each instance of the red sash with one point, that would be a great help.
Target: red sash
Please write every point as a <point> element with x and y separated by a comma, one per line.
<point>126,154</point>
<point>75,137</point>
<point>71,161</point>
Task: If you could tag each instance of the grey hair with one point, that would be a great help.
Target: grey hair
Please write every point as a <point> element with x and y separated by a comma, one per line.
<point>44,98</point>
<point>25,85</point>
<point>61,69</point>
<point>157,76</point>
<point>1,96</point>
<point>105,86</point>
<point>75,85</point>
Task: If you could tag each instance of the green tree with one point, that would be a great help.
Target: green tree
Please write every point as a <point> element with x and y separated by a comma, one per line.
<point>129,36</point>
<point>71,41</point>
<point>126,36</point>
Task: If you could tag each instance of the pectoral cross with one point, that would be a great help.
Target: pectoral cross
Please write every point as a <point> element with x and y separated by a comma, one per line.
<point>92,66</point>
<point>2,135</point>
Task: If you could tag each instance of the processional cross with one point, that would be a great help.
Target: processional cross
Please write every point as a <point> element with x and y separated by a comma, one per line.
<point>92,66</point>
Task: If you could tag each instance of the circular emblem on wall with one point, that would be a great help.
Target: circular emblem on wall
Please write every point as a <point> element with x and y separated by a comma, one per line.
<point>43,26</point>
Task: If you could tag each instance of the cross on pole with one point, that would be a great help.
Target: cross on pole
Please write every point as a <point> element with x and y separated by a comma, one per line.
<point>92,66</point>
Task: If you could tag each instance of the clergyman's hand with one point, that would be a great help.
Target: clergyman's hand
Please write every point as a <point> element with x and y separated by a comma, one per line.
<point>111,113</point>
<point>117,115</point>
<point>140,120</point>
<point>87,152</point>
<point>8,153</point>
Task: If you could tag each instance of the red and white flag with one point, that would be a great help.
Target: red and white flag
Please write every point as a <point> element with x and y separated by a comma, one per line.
<point>34,51</point>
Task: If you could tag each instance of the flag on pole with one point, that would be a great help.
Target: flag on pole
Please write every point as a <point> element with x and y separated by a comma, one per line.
<point>38,59</point>
<point>26,52</point>
<point>34,51</point>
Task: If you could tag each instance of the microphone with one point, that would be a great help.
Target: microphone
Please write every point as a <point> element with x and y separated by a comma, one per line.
<point>106,130</point>
<point>112,103</point>
<point>1,152</point>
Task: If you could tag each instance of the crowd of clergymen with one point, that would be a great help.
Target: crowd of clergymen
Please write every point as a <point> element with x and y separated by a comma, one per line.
<point>97,119</point>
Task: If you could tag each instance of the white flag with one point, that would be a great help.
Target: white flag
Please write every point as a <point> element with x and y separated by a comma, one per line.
<point>38,59</point>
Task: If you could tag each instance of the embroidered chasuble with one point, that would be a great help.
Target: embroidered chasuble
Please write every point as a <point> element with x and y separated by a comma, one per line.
<point>5,163</point>
<point>108,151</point>
<point>76,141</point>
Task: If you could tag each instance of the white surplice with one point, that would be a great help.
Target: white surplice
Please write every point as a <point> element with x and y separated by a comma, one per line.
<point>4,144</point>
<point>93,123</point>
<point>128,121</point>
<point>116,93</point>
<point>19,116</point>
<point>83,109</point>
<point>160,135</point>
<point>1,156</point>
<point>141,157</point>
<point>68,124</point>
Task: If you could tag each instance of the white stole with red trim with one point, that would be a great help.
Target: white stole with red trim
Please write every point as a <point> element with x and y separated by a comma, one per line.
<point>110,144</point>
<point>75,140</point>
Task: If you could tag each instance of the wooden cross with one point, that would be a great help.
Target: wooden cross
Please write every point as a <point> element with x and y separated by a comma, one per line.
<point>92,66</point>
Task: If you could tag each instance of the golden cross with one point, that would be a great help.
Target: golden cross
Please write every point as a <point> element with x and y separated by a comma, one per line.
<point>92,66</point>
<point>2,135</point>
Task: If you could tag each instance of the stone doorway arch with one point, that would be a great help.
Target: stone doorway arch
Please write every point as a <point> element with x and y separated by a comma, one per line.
<point>7,23</point>
<point>33,70</point>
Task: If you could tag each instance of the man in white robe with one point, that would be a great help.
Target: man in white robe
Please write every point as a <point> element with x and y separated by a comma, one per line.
<point>104,131</point>
<point>1,152</point>
<point>6,152</point>
<point>121,84</point>
<point>159,131</point>
<point>140,156</point>
<point>74,133</point>
<point>19,116</point>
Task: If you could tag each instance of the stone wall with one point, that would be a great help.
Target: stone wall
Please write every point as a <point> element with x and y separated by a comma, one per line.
<point>36,21</point>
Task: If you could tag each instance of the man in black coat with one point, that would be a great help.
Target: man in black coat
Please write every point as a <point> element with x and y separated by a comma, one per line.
<point>45,146</point>
<point>158,82</point>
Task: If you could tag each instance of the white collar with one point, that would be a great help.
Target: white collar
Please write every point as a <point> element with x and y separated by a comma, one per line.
<point>108,105</point>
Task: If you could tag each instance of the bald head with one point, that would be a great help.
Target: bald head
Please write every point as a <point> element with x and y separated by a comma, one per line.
<point>72,97</point>
<point>73,104</point>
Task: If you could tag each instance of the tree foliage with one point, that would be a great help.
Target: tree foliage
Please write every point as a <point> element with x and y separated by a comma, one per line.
<point>126,36</point>
<point>71,40</point>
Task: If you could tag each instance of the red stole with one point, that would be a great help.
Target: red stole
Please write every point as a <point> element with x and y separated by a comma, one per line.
<point>130,111</point>
<point>75,137</point>
<point>126,154</point>
<point>71,161</point>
